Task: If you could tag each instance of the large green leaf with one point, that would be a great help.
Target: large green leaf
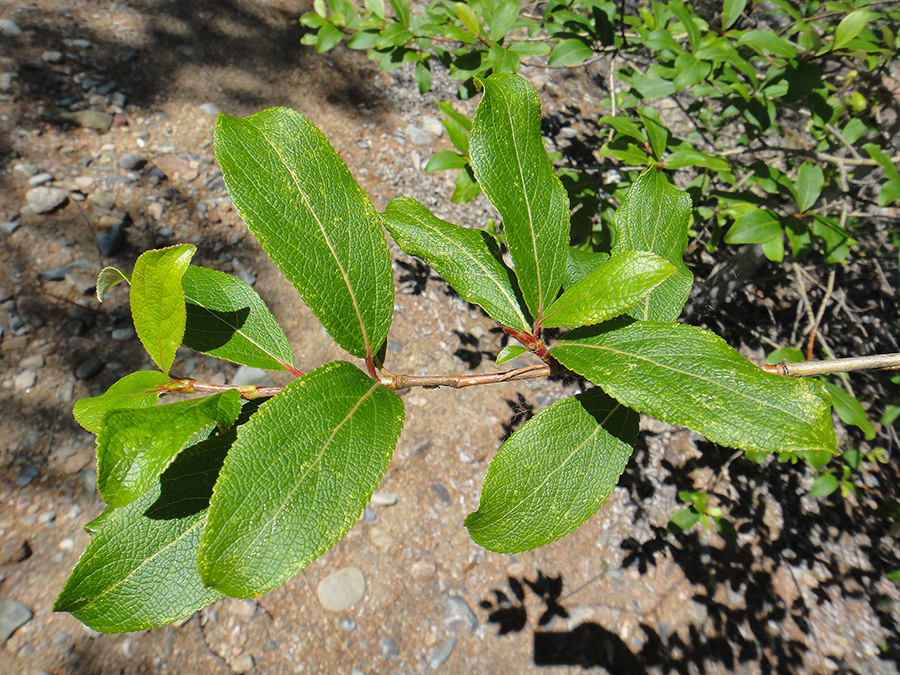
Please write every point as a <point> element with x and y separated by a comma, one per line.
<point>135,446</point>
<point>132,391</point>
<point>614,287</point>
<point>300,474</point>
<point>312,218</point>
<point>531,498</point>
<point>655,216</point>
<point>688,376</point>
<point>157,301</point>
<point>512,167</point>
<point>580,264</point>
<point>468,259</point>
<point>754,227</point>
<point>226,318</point>
<point>140,569</point>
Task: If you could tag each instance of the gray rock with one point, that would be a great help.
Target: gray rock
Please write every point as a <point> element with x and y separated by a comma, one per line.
<point>6,80</point>
<point>341,590</point>
<point>209,108</point>
<point>458,616</point>
<point>433,126</point>
<point>24,169</point>
<point>9,28</point>
<point>131,161</point>
<point>9,226</point>
<point>52,56</point>
<point>13,615</point>
<point>389,648</point>
<point>122,334</point>
<point>46,199</point>
<point>110,241</point>
<point>242,663</point>
<point>369,516</point>
<point>443,653</point>
<point>34,362</point>
<point>55,273</point>
<point>384,498</point>
<point>102,199</point>
<point>25,380</point>
<point>88,119</point>
<point>254,376</point>
<point>348,624</point>
<point>28,474</point>
<point>418,135</point>
<point>441,492</point>
<point>88,368</point>
<point>40,179</point>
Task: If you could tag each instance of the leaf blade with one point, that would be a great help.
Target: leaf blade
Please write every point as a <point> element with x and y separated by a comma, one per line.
<point>132,391</point>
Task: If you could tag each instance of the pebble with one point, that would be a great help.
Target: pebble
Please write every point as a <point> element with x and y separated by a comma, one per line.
<point>418,135</point>
<point>9,226</point>
<point>88,368</point>
<point>432,125</point>
<point>13,615</point>
<point>256,376</point>
<point>131,161</point>
<point>40,179</point>
<point>52,56</point>
<point>83,182</point>
<point>341,590</point>
<point>122,334</point>
<point>443,653</point>
<point>34,362</point>
<point>102,199</point>
<point>24,169</point>
<point>55,273</point>
<point>348,624</point>
<point>209,108</point>
<point>389,648</point>
<point>46,199</point>
<point>441,492</point>
<point>110,241</point>
<point>383,498</point>
<point>67,544</point>
<point>458,616</point>
<point>242,663</point>
<point>29,473</point>
<point>423,569</point>
<point>9,28</point>
<point>25,380</point>
<point>88,119</point>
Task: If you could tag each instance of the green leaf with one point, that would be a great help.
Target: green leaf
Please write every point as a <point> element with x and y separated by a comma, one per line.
<point>135,446</point>
<point>571,52</point>
<point>468,17</point>
<point>227,319</point>
<point>298,477</point>
<point>468,259</point>
<point>824,485</point>
<point>132,391</point>
<point>401,9</point>
<point>810,179</point>
<point>784,354</point>
<point>423,76</point>
<point>656,130</point>
<point>774,249</point>
<point>754,227</point>
<point>444,160</point>
<point>580,264</point>
<point>655,216</point>
<point>109,277</point>
<point>458,134</point>
<point>329,37</point>
<point>849,409</point>
<point>530,498</point>
<point>157,301</point>
<point>849,27</point>
<point>624,126</point>
<point>512,167</point>
<point>139,570</point>
<point>376,7</point>
<point>503,19</point>
<point>313,220</point>
<point>651,87</point>
<point>614,287</point>
<point>466,188</point>
<point>529,48</point>
<point>764,41</point>
<point>731,12</point>
<point>685,519</point>
<point>509,352</point>
<point>686,19</point>
<point>688,376</point>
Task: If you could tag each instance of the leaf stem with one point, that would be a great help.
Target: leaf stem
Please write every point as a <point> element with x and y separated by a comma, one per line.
<point>809,368</point>
<point>459,381</point>
<point>186,385</point>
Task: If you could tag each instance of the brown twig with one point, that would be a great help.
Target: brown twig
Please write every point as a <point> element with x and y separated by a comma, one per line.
<point>821,313</point>
<point>460,381</point>
<point>848,365</point>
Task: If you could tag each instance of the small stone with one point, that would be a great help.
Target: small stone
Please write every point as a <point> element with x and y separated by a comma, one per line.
<point>423,569</point>
<point>55,273</point>
<point>255,376</point>
<point>440,657</point>
<point>122,334</point>
<point>241,609</point>
<point>389,648</point>
<point>78,461</point>
<point>155,210</point>
<point>110,241</point>
<point>418,135</point>
<point>384,498</point>
<point>88,368</point>
<point>131,161</point>
<point>209,108</point>
<point>25,380</point>
<point>46,199</point>
<point>13,615</point>
<point>29,473</point>
<point>102,199</point>
<point>9,28</point>
<point>40,179</point>
<point>568,132</point>
<point>432,125</point>
<point>341,590</point>
<point>441,493</point>
<point>369,516</point>
<point>33,362</point>
<point>83,182</point>
<point>52,56</point>
<point>348,624</point>
<point>9,226</point>
<point>242,663</point>
<point>458,616</point>
<point>6,80</point>
<point>24,169</point>
<point>67,544</point>
<point>46,517</point>
<point>88,119</point>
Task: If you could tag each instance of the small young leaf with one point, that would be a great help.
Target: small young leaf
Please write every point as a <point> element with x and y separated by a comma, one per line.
<point>849,27</point>
<point>140,569</point>
<point>468,17</point>
<point>468,259</point>
<point>824,485</point>
<point>810,180</point>
<point>423,76</point>
<point>401,9</point>
<point>376,7</point>
<point>503,19</point>
<point>656,130</point>
<point>135,446</point>
<point>313,220</point>
<point>109,277</point>
<point>444,160</point>
<point>731,12</point>
<point>132,391</point>
<point>614,287</point>
<point>509,352</point>
<point>754,227</point>
<point>512,167</point>
<point>298,477</point>
<point>655,216</point>
<point>849,410</point>
<point>227,319</point>
<point>688,376</point>
<point>570,52</point>
<point>764,41</point>
<point>157,301</point>
<point>466,188</point>
<point>328,38</point>
<point>530,498</point>
<point>684,519</point>
<point>458,134</point>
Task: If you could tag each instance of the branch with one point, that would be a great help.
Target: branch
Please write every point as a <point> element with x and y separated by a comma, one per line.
<point>809,368</point>
<point>459,381</point>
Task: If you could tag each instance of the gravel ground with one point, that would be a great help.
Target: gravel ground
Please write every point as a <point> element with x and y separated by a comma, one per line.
<point>106,120</point>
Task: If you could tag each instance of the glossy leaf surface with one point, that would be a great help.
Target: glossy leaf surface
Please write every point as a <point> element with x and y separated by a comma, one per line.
<point>298,477</point>
<point>530,498</point>
<point>688,376</point>
<point>313,220</point>
<point>132,391</point>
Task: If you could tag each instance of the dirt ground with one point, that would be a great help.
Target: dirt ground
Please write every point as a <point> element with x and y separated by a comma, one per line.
<point>801,590</point>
